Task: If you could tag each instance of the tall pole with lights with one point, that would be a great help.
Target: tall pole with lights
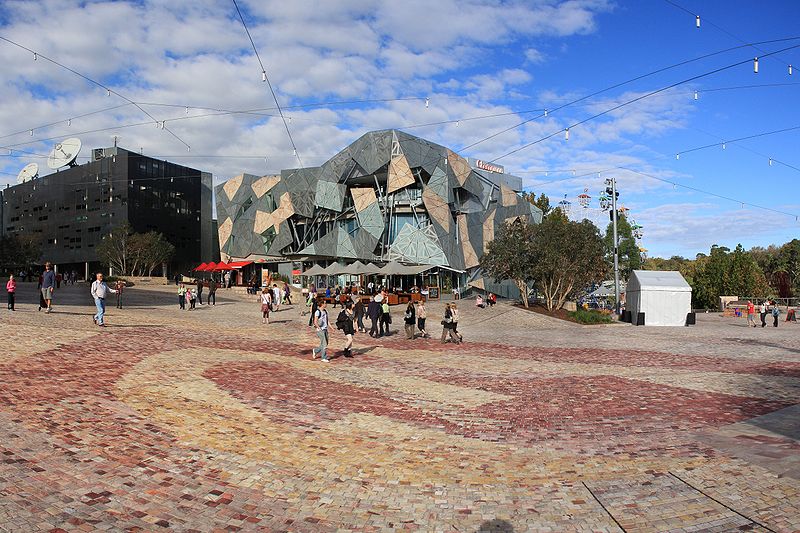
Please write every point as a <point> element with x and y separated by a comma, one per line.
<point>611,189</point>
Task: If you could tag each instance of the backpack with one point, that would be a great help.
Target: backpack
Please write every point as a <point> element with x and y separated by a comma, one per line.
<point>342,320</point>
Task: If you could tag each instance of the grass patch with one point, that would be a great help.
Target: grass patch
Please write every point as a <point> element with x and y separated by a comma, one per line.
<point>590,316</point>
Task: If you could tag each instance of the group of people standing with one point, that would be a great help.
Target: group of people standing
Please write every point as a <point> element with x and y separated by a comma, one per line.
<point>271,299</point>
<point>351,320</point>
<point>765,306</point>
<point>192,294</point>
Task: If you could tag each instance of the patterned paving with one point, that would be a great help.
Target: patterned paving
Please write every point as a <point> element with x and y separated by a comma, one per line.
<point>207,420</point>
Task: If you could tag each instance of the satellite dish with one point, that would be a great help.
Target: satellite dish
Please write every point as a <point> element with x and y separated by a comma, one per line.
<point>64,153</point>
<point>30,172</point>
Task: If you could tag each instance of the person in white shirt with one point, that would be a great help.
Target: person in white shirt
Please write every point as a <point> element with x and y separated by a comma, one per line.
<point>99,292</point>
<point>762,309</point>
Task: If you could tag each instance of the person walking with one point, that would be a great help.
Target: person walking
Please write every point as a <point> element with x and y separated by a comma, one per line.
<point>345,322</point>
<point>212,292</point>
<point>266,304</point>
<point>276,297</point>
<point>447,325</point>
<point>374,313</point>
<point>776,312</point>
<point>410,320</point>
<point>11,289</point>
<point>99,292</point>
<point>48,286</point>
<point>177,279</point>
<point>386,317</point>
<point>119,286</point>
<point>192,294</point>
<point>321,326</point>
<point>287,293</point>
<point>182,296</point>
<point>314,306</point>
<point>358,311</point>
<point>200,291</point>
<point>751,313</point>
<point>422,314</point>
<point>762,310</point>
<point>456,315</point>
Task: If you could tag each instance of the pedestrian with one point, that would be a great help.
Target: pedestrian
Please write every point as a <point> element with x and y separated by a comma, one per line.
<point>276,297</point>
<point>751,313</point>
<point>321,327</point>
<point>410,320</point>
<point>456,315</point>
<point>314,307</point>
<point>266,304</point>
<point>11,289</point>
<point>192,294</point>
<point>99,292</point>
<point>212,292</point>
<point>371,288</point>
<point>199,285</point>
<point>345,322</point>
<point>447,325</point>
<point>119,286</point>
<point>177,279</point>
<point>358,311</point>
<point>422,314</point>
<point>374,312</point>
<point>182,296</point>
<point>226,278</point>
<point>762,309</point>
<point>48,286</point>
<point>776,311</point>
<point>386,318</point>
<point>327,292</point>
<point>287,293</point>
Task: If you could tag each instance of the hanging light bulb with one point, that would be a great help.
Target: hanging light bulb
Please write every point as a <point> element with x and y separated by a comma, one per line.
<point>755,65</point>
<point>263,75</point>
<point>187,109</point>
<point>723,146</point>
<point>566,134</point>
<point>109,92</point>
<point>770,161</point>
<point>294,152</point>
<point>696,95</point>
<point>458,123</point>
<point>31,132</point>
<point>677,156</point>
<point>674,187</point>
<point>162,124</point>
<point>573,171</point>
<point>427,103</point>
<point>188,148</point>
<point>697,21</point>
<point>545,112</point>
<point>35,56</point>
<point>69,122</point>
<point>790,70</point>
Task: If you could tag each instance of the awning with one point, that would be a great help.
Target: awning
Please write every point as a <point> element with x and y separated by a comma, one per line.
<point>333,269</point>
<point>392,269</point>
<point>201,267</point>
<point>210,267</point>
<point>222,266</point>
<point>239,264</point>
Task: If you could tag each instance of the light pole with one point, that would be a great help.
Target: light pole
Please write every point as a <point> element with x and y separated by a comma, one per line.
<point>613,193</point>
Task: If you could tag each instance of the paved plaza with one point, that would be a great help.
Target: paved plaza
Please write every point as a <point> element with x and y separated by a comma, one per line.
<point>207,420</point>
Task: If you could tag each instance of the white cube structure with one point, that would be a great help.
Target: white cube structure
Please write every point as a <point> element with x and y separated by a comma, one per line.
<point>664,297</point>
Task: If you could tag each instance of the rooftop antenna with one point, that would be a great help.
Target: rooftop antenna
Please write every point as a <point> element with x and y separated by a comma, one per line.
<point>64,153</point>
<point>30,172</point>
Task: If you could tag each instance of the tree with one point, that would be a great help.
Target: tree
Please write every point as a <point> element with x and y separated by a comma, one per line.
<point>152,250</point>
<point>630,258</point>
<point>723,273</point>
<point>116,249</point>
<point>566,257</point>
<point>542,202</point>
<point>508,256</point>
<point>20,251</point>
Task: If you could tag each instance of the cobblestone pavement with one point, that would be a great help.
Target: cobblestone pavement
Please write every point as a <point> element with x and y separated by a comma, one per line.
<point>208,420</point>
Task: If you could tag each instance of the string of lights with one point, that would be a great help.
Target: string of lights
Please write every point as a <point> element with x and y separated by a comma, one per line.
<point>754,46</point>
<point>731,141</point>
<point>566,130</point>
<point>621,84</point>
<point>265,78</point>
<point>109,90</point>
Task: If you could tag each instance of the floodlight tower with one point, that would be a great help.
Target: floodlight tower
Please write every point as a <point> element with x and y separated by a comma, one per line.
<point>611,189</point>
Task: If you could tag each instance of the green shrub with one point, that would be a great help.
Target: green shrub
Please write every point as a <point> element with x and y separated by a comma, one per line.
<point>590,316</point>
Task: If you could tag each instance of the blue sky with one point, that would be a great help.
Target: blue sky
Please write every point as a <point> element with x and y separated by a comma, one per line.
<point>470,59</point>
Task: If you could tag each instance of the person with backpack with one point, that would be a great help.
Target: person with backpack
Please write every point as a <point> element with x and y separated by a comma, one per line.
<point>410,320</point>
<point>358,311</point>
<point>321,326</point>
<point>344,322</point>
<point>776,312</point>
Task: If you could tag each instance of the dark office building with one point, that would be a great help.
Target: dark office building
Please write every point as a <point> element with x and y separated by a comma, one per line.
<point>70,211</point>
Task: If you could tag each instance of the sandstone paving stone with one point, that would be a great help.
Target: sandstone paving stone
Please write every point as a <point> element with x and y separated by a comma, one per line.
<point>209,421</point>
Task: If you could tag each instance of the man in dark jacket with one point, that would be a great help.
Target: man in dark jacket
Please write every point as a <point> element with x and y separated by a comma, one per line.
<point>374,313</point>
<point>212,292</point>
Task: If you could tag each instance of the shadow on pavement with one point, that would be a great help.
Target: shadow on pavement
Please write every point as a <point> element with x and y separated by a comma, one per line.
<point>496,525</point>
<point>756,342</point>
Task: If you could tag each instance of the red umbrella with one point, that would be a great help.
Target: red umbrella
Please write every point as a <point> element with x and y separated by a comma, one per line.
<point>211,267</point>
<point>200,268</point>
<point>222,266</point>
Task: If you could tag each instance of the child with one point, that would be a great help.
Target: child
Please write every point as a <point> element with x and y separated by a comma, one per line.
<point>192,297</point>
<point>266,303</point>
<point>11,288</point>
